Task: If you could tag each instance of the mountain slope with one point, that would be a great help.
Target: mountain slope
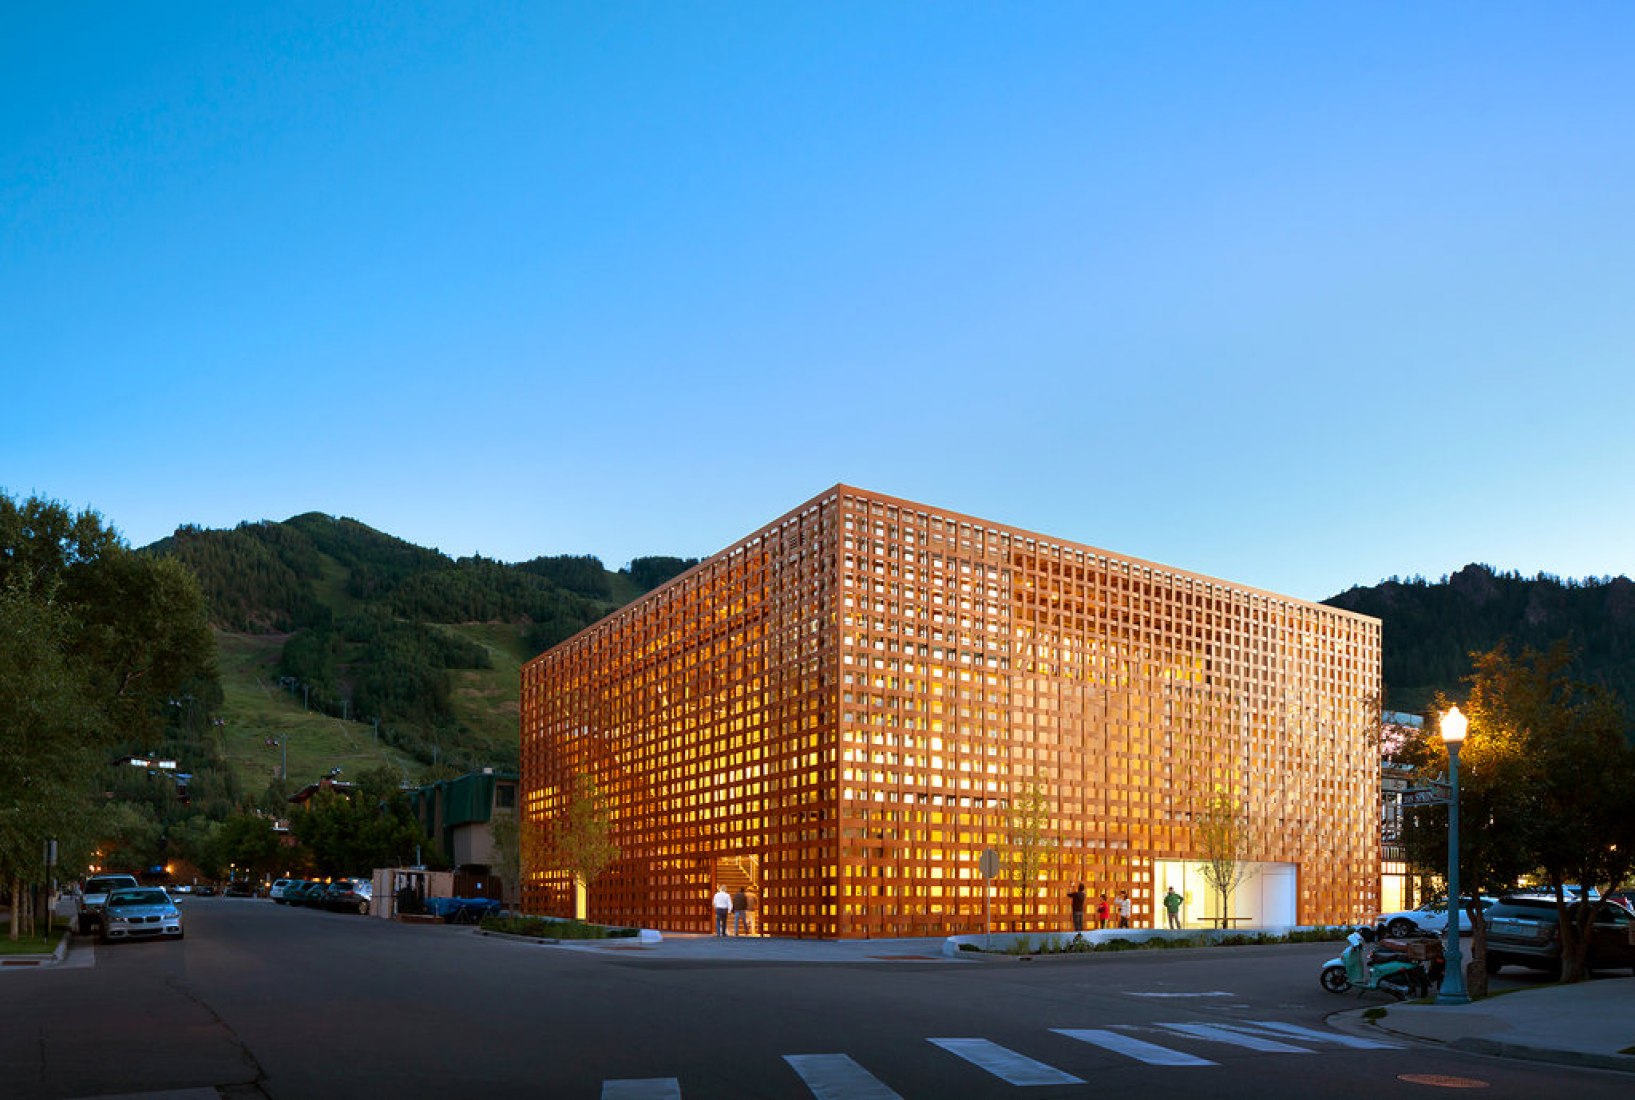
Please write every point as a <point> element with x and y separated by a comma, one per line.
<point>410,656</point>
<point>1431,629</point>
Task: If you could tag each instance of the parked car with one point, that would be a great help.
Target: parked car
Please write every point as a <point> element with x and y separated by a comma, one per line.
<point>93,896</point>
<point>204,890</point>
<point>239,889</point>
<point>276,890</point>
<point>313,895</point>
<point>1430,918</point>
<point>144,913</point>
<point>349,895</point>
<point>1526,931</point>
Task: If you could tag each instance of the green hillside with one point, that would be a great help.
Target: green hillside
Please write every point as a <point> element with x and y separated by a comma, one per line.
<point>343,647</point>
<point>265,724</point>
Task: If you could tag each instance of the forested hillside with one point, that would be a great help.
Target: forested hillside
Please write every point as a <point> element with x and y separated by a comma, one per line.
<point>1431,629</point>
<point>371,629</point>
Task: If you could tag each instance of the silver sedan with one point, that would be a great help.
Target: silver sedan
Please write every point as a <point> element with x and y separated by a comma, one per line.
<point>144,913</point>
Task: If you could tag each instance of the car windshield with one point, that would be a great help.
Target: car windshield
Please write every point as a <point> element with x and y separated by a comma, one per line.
<point>93,885</point>
<point>138,897</point>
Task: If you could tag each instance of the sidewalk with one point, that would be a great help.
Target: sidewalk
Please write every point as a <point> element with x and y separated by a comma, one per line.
<point>1588,1024</point>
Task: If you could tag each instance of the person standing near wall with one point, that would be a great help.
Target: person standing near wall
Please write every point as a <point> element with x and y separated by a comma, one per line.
<point>752,904</point>
<point>1172,907</point>
<point>740,912</point>
<point>723,910</point>
<point>1122,904</point>
<point>1075,899</point>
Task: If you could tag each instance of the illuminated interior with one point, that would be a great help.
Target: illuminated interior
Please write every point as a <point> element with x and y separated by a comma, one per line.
<point>848,706</point>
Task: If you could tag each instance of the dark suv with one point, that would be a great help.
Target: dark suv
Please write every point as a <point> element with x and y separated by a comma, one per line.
<point>1525,931</point>
<point>348,895</point>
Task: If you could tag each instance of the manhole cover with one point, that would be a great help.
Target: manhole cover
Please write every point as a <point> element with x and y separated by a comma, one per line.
<point>1441,1081</point>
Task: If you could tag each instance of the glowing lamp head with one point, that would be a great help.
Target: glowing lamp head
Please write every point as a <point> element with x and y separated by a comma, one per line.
<point>1454,725</point>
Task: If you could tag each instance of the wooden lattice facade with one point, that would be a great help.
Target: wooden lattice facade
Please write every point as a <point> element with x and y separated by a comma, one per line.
<point>856,700</point>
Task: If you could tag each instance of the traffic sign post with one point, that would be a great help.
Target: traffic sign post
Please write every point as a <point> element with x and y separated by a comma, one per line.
<point>988,864</point>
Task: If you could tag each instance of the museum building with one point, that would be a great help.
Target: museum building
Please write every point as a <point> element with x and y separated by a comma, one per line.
<point>846,708</point>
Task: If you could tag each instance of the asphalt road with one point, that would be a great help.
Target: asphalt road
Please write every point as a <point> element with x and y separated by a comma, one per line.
<point>262,1000</point>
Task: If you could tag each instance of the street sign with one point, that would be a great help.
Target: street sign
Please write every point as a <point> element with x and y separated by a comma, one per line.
<point>988,864</point>
<point>1424,796</point>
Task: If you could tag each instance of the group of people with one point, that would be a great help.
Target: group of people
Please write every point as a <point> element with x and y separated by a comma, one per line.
<point>741,908</point>
<point>1120,905</point>
<point>1104,911</point>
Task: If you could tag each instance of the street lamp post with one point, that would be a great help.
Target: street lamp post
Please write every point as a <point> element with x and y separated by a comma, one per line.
<point>1453,977</point>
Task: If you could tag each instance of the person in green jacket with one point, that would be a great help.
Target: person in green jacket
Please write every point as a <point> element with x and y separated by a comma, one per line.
<point>1172,906</point>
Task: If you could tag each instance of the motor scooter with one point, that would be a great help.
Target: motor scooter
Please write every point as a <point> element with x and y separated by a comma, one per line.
<point>1364,967</point>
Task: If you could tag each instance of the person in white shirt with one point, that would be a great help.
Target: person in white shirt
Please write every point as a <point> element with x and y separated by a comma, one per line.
<point>723,910</point>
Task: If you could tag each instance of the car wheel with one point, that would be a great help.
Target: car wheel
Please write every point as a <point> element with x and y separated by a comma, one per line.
<point>83,926</point>
<point>1401,927</point>
<point>1334,979</point>
<point>1492,965</point>
<point>363,909</point>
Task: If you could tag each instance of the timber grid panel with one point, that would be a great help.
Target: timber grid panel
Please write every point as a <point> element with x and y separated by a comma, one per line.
<point>858,693</point>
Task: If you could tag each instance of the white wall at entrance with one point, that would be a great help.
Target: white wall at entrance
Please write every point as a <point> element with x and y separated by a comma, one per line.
<point>1266,899</point>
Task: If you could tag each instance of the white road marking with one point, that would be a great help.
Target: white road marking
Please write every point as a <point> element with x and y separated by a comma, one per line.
<point>837,1077</point>
<point>1217,1033</point>
<point>642,1088</point>
<point>1150,1053</point>
<point>1211,993</point>
<point>1005,1064</point>
<point>1298,1032</point>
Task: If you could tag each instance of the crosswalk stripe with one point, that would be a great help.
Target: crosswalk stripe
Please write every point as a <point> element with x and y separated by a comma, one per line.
<point>642,1088</point>
<point>837,1077</point>
<point>1298,1032</point>
<point>1128,1045</point>
<point>1007,1065</point>
<point>1218,1034</point>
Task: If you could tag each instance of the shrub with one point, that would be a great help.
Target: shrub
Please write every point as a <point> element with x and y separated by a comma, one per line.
<point>553,928</point>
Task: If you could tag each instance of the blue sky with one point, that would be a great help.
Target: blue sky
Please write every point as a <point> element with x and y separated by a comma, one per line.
<point>1302,296</point>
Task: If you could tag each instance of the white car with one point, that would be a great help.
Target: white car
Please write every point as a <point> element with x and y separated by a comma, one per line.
<point>277,890</point>
<point>1432,918</point>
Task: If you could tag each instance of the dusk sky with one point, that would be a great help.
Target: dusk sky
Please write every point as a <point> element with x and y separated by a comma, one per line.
<point>1301,296</point>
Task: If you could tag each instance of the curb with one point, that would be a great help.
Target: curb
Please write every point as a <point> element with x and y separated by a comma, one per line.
<point>1351,1022</point>
<point>1582,1059</point>
<point>37,961</point>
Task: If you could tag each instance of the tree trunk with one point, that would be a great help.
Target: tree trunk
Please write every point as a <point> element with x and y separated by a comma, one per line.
<point>16,907</point>
<point>1575,945</point>
<point>1476,963</point>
